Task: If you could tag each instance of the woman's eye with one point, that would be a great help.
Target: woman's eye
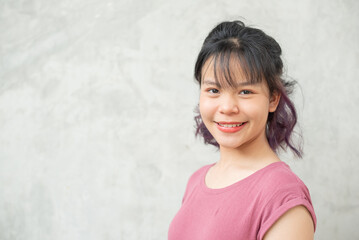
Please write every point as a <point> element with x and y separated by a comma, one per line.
<point>245,92</point>
<point>213,90</point>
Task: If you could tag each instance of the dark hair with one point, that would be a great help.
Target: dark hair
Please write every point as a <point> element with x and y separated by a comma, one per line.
<point>259,58</point>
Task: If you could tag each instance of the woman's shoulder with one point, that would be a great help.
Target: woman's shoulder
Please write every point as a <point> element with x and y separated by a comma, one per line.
<point>281,190</point>
<point>199,172</point>
<point>279,173</point>
<point>195,180</point>
<point>279,179</point>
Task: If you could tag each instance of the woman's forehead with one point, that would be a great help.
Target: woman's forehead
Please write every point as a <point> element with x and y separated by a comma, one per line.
<point>225,73</point>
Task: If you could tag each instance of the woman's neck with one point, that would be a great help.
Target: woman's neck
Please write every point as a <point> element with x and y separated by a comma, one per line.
<point>255,155</point>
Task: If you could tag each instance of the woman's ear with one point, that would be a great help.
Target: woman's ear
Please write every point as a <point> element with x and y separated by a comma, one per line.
<point>274,101</point>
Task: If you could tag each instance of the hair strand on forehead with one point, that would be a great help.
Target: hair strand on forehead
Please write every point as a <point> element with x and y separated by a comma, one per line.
<point>226,64</point>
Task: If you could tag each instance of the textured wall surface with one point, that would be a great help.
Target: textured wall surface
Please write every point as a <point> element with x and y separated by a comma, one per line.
<point>96,111</point>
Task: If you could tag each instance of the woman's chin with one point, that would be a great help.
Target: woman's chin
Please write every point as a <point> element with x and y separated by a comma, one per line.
<point>229,145</point>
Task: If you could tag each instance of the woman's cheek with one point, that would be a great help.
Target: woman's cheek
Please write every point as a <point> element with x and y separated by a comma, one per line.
<point>207,108</point>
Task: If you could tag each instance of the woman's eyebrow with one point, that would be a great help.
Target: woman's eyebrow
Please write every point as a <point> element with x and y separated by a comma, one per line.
<point>210,82</point>
<point>241,84</point>
<point>246,84</point>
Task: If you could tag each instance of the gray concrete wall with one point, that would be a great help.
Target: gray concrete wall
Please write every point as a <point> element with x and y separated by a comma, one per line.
<point>96,108</point>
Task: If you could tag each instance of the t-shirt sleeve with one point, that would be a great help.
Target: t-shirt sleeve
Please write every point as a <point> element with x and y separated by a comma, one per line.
<point>282,200</point>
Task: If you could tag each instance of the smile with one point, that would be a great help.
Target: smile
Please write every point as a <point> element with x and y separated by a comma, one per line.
<point>230,127</point>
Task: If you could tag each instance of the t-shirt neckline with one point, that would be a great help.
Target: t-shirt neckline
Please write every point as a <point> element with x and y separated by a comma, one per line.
<point>236,184</point>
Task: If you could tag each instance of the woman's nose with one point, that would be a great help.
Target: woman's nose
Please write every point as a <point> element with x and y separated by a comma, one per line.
<point>229,105</point>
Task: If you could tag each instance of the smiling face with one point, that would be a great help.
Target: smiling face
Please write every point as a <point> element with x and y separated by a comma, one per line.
<point>235,115</point>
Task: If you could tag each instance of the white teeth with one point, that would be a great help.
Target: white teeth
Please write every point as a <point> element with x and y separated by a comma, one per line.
<point>230,125</point>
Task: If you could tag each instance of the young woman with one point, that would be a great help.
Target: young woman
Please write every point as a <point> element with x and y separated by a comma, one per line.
<point>245,111</point>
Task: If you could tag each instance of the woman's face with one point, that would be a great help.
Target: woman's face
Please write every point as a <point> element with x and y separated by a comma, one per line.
<point>235,116</point>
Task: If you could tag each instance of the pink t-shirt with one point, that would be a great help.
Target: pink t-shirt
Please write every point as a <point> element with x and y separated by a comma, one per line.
<point>244,210</point>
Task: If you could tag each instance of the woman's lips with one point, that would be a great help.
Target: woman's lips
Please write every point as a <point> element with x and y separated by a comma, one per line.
<point>230,127</point>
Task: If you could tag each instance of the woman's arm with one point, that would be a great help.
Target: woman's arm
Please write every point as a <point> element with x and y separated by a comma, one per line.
<point>295,224</point>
